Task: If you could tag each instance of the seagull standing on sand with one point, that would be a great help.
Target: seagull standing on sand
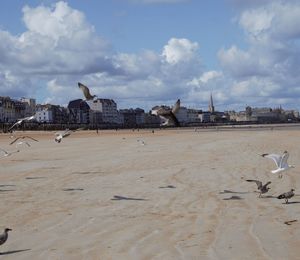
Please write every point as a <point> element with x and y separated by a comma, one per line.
<point>280,161</point>
<point>262,188</point>
<point>20,121</point>
<point>4,236</point>
<point>86,92</point>
<point>286,196</point>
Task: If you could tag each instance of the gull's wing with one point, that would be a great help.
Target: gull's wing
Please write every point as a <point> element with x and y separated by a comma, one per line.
<point>267,184</point>
<point>15,140</point>
<point>31,138</point>
<point>3,151</point>
<point>15,124</point>
<point>258,183</point>
<point>284,158</point>
<point>174,119</point>
<point>66,133</point>
<point>275,157</point>
<point>28,118</point>
<point>176,107</point>
<point>85,90</point>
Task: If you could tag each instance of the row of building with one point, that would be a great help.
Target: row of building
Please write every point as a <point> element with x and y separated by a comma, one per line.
<point>104,112</point>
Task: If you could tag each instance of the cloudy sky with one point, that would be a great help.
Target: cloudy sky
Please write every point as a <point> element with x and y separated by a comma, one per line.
<point>147,52</point>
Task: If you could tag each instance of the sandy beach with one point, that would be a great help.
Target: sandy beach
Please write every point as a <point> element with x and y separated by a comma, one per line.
<point>107,196</point>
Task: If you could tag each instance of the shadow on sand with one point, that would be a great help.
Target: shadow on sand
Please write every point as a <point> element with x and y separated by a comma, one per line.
<point>233,198</point>
<point>73,189</point>
<point>6,190</point>
<point>13,251</point>
<point>236,192</point>
<point>116,197</point>
<point>167,187</point>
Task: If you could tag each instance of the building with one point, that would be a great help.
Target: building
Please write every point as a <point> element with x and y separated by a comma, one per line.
<point>11,110</point>
<point>211,107</point>
<point>132,117</point>
<point>107,108</point>
<point>51,114</point>
<point>30,106</point>
<point>79,112</point>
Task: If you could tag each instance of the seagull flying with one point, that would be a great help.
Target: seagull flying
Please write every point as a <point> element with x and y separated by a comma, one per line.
<point>20,121</point>
<point>60,135</point>
<point>141,142</point>
<point>262,188</point>
<point>286,196</point>
<point>4,236</point>
<point>6,153</point>
<point>23,142</point>
<point>280,161</point>
<point>86,92</point>
<point>167,115</point>
<point>23,137</point>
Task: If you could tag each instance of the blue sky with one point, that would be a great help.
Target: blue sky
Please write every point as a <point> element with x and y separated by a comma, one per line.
<point>147,52</point>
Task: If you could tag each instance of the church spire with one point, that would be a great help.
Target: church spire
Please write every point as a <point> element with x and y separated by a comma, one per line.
<point>211,107</point>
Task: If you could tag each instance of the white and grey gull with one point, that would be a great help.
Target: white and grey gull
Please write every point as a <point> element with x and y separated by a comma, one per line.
<point>20,122</point>
<point>6,153</point>
<point>280,161</point>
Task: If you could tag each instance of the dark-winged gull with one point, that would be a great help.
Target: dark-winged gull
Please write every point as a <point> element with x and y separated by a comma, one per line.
<point>262,188</point>
<point>280,161</point>
<point>4,236</point>
<point>287,195</point>
<point>86,92</point>
<point>167,115</point>
<point>20,121</point>
<point>23,137</point>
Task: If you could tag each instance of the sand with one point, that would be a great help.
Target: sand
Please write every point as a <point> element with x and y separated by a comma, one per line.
<point>106,196</point>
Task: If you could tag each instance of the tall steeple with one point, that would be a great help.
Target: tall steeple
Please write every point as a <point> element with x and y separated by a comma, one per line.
<point>211,107</point>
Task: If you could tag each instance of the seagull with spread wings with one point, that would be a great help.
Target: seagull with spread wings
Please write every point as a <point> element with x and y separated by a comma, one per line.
<point>20,122</point>
<point>262,188</point>
<point>23,137</point>
<point>280,161</point>
<point>6,153</point>
<point>167,115</point>
<point>86,92</point>
<point>60,135</point>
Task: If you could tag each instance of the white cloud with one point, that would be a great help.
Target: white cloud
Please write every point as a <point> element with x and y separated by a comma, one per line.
<point>179,50</point>
<point>59,48</point>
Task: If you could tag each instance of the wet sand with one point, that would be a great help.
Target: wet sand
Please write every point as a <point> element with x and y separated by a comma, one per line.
<point>183,195</point>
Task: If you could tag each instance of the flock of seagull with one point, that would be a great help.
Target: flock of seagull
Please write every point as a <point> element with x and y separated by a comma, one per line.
<point>170,118</point>
<point>282,165</point>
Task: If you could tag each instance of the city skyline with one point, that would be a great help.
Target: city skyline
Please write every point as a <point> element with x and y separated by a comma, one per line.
<point>147,52</point>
